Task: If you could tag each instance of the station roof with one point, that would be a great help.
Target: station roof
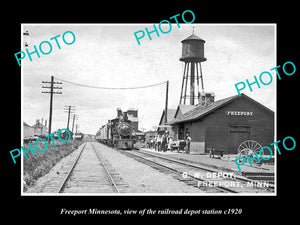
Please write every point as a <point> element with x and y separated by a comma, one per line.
<point>25,124</point>
<point>203,110</point>
<point>170,116</point>
<point>185,108</point>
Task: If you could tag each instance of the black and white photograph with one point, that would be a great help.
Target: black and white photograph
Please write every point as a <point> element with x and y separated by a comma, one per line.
<point>177,112</point>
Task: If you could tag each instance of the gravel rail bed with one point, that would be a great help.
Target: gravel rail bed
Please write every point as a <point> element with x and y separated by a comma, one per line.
<point>142,178</point>
<point>139,177</point>
<point>50,182</point>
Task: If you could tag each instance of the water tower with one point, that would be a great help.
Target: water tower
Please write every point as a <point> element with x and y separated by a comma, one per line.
<point>192,56</point>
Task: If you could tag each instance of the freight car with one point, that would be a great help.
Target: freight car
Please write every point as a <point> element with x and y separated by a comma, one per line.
<point>117,133</point>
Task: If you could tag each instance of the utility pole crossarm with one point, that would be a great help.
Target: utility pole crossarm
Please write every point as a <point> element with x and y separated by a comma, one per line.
<point>69,109</point>
<point>51,92</point>
<point>52,87</point>
<point>49,82</point>
<point>166,103</point>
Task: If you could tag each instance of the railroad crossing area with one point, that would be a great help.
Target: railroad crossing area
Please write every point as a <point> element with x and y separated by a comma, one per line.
<point>96,169</point>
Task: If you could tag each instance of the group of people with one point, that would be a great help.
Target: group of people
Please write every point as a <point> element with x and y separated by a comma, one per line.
<point>164,142</point>
<point>161,142</point>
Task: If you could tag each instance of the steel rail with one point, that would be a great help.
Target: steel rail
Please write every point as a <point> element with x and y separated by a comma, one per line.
<point>70,171</point>
<point>244,179</point>
<point>179,172</point>
<point>106,170</point>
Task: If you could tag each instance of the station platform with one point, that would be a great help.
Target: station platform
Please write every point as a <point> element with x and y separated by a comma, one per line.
<point>225,163</point>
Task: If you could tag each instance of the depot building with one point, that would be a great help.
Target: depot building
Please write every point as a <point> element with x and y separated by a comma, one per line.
<point>223,124</point>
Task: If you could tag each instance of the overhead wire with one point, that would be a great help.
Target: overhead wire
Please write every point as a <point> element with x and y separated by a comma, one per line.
<point>110,88</point>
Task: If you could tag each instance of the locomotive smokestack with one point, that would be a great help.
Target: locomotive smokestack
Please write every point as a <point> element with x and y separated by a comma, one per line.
<point>119,112</point>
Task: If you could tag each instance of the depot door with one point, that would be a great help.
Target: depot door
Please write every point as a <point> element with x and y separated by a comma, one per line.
<point>238,134</point>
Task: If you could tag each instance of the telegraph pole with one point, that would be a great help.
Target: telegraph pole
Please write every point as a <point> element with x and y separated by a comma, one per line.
<point>69,109</point>
<point>166,106</point>
<point>51,92</point>
<point>75,117</point>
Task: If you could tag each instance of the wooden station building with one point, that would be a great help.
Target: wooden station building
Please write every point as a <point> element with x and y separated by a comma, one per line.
<point>225,124</point>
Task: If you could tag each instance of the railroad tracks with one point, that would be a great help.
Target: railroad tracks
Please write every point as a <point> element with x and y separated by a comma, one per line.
<point>197,176</point>
<point>90,172</point>
<point>87,171</point>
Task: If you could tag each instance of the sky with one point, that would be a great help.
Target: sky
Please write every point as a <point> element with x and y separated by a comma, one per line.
<point>108,55</point>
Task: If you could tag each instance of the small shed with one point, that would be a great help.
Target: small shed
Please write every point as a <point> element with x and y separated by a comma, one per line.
<point>28,132</point>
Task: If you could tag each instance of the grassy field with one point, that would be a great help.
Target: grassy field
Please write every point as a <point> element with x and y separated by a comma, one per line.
<point>40,164</point>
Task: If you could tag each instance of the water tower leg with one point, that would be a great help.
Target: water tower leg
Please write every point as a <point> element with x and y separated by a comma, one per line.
<point>198,85</point>
<point>201,77</point>
<point>182,84</point>
<point>192,84</point>
<point>186,81</point>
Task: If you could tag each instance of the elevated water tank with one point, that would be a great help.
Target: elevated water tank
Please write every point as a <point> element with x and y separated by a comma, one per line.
<point>193,49</point>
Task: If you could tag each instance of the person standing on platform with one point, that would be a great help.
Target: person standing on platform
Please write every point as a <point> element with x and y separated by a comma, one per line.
<point>155,142</point>
<point>163,142</point>
<point>170,142</point>
<point>151,143</point>
<point>188,143</point>
<point>158,141</point>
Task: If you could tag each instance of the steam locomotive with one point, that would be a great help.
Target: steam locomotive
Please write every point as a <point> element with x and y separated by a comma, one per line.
<point>117,133</point>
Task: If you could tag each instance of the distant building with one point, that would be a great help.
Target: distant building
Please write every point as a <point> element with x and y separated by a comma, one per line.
<point>40,129</point>
<point>88,137</point>
<point>28,132</point>
<point>149,135</point>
